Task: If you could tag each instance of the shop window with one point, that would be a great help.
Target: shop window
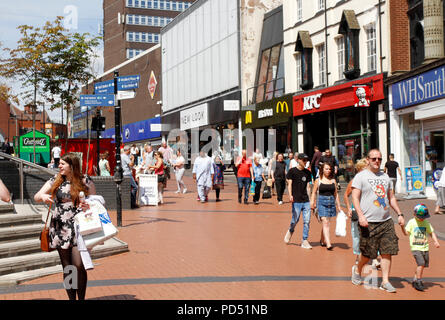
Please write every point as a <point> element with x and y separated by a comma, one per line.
<point>350,30</point>
<point>304,47</point>
<point>412,141</point>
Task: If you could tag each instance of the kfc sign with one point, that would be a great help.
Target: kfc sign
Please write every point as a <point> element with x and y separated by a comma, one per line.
<point>357,93</point>
<point>311,102</point>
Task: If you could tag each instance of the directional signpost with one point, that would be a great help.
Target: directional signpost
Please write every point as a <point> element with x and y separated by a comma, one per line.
<point>97,100</point>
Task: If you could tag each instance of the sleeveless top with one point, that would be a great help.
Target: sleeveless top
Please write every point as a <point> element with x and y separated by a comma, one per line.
<point>103,168</point>
<point>160,170</point>
<point>326,189</point>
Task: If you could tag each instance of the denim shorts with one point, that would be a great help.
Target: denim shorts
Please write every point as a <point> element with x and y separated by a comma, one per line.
<point>326,206</point>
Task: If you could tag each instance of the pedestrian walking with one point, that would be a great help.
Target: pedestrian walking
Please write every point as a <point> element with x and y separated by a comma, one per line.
<point>167,155</point>
<point>203,175</point>
<point>56,151</point>
<point>315,162</point>
<point>244,166</point>
<point>104,165</point>
<point>418,229</point>
<point>372,195</point>
<point>158,169</point>
<point>218,176</point>
<point>270,169</point>
<point>352,213</point>
<point>294,161</point>
<point>290,157</point>
<point>127,162</point>
<point>391,168</point>
<point>135,153</point>
<point>299,187</point>
<point>63,190</point>
<point>328,157</point>
<point>178,166</point>
<point>258,178</point>
<point>279,177</point>
<point>328,203</point>
<point>5,195</point>
<point>440,193</point>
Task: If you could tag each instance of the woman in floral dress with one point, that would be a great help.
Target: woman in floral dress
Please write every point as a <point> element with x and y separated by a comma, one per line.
<point>63,190</point>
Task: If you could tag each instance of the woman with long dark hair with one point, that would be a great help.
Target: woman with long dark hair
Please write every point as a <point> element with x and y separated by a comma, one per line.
<point>327,202</point>
<point>158,168</point>
<point>63,190</point>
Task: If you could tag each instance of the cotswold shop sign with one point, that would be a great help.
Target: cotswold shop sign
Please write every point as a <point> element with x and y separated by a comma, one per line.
<point>419,89</point>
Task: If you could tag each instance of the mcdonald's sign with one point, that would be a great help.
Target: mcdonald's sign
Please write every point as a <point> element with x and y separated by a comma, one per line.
<point>248,117</point>
<point>282,104</point>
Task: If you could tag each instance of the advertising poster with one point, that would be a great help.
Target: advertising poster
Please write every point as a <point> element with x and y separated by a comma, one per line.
<point>148,190</point>
<point>414,179</point>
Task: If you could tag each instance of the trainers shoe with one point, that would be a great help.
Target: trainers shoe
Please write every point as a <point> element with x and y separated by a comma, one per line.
<point>355,278</point>
<point>417,284</point>
<point>305,245</point>
<point>184,191</point>
<point>280,202</point>
<point>387,287</point>
<point>288,236</point>
<point>177,191</point>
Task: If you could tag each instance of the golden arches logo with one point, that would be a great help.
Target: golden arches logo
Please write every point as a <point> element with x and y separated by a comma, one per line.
<point>282,104</point>
<point>248,117</point>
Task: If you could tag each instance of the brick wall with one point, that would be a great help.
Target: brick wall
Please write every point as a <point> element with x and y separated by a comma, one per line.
<point>34,180</point>
<point>399,30</point>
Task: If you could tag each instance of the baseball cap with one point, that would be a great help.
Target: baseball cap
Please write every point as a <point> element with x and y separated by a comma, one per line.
<point>303,156</point>
<point>421,211</point>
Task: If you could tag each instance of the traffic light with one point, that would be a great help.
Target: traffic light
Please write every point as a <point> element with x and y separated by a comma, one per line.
<point>98,123</point>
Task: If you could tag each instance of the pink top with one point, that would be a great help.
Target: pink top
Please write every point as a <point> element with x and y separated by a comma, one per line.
<point>160,170</point>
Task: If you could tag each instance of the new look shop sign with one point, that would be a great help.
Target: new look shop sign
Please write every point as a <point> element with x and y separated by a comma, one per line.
<point>419,89</point>
<point>195,117</point>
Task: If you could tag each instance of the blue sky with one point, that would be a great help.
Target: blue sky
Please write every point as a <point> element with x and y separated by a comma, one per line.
<point>37,12</point>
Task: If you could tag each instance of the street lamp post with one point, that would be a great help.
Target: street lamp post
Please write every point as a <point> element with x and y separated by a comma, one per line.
<point>118,172</point>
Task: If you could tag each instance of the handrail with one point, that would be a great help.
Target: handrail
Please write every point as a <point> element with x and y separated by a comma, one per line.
<point>21,163</point>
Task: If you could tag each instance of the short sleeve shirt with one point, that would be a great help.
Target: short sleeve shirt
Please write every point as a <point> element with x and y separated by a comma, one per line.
<point>125,160</point>
<point>56,152</point>
<point>392,168</point>
<point>374,189</point>
<point>244,168</point>
<point>418,234</point>
<point>300,179</point>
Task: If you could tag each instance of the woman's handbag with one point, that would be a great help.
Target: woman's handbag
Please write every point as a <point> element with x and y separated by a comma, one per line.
<point>88,222</point>
<point>266,193</point>
<point>252,188</point>
<point>340,228</point>
<point>269,182</point>
<point>44,235</point>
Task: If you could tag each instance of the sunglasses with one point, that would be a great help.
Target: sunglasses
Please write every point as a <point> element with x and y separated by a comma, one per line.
<point>375,159</point>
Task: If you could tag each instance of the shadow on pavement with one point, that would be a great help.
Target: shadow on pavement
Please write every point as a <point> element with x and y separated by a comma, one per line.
<point>116,297</point>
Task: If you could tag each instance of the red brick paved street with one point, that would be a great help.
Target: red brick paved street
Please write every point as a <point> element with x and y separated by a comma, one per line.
<point>225,250</point>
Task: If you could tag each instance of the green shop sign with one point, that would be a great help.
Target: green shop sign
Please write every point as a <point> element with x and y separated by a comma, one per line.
<point>26,145</point>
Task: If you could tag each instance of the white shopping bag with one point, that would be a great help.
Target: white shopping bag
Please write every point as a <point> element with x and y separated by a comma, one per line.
<point>108,229</point>
<point>340,228</point>
<point>88,221</point>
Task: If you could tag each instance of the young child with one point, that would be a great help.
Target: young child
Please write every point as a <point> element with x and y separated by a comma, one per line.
<point>418,230</point>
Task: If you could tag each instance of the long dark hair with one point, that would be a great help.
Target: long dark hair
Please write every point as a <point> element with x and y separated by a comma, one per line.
<point>321,170</point>
<point>76,183</point>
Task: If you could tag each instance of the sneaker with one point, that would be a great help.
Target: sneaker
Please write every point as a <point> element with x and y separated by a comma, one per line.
<point>355,278</point>
<point>418,285</point>
<point>280,202</point>
<point>177,191</point>
<point>184,191</point>
<point>203,201</point>
<point>388,287</point>
<point>288,236</point>
<point>305,245</point>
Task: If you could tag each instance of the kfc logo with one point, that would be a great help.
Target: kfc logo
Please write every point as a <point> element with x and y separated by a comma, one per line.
<point>311,102</point>
<point>362,96</point>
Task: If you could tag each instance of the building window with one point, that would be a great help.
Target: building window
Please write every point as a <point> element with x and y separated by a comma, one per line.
<point>142,37</point>
<point>158,4</point>
<point>371,47</point>
<point>270,79</point>
<point>130,3</point>
<point>320,5</point>
<point>298,69</point>
<point>299,10</point>
<point>340,57</point>
<point>350,30</point>
<point>321,51</point>
<point>304,47</point>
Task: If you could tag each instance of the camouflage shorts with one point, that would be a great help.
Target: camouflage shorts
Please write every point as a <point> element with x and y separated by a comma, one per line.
<point>378,238</point>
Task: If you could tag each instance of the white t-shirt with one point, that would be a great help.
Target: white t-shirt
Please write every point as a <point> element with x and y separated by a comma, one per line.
<point>293,164</point>
<point>56,152</point>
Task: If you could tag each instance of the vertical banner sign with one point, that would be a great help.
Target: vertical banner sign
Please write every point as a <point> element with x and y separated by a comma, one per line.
<point>148,189</point>
<point>414,179</point>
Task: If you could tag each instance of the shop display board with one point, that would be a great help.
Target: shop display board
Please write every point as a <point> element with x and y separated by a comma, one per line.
<point>414,179</point>
<point>148,190</point>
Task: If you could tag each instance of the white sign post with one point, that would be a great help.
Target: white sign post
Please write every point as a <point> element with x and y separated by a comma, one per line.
<point>148,189</point>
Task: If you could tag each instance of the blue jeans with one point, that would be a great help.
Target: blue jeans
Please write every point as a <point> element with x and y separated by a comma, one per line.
<point>297,208</point>
<point>134,190</point>
<point>243,183</point>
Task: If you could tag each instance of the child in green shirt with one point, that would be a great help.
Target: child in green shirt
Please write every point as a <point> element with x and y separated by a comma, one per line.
<point>418,229</point>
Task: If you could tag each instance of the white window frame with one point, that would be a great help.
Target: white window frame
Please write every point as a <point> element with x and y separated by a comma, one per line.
<point>298,70</point>
<point>340,57</point>
<point>299,10</point>
<point>321,52</point>
<point>320,5</point>
<point>371,47</point>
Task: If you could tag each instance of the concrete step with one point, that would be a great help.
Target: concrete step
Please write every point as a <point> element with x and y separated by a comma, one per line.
<point>6,208</point>
<point>16,270</point>
<point>22,232</point>
<point>13,219</point>
<point>19,248</point>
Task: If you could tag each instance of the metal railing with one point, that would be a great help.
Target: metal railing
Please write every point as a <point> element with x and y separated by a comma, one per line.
<point>21,164</point>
